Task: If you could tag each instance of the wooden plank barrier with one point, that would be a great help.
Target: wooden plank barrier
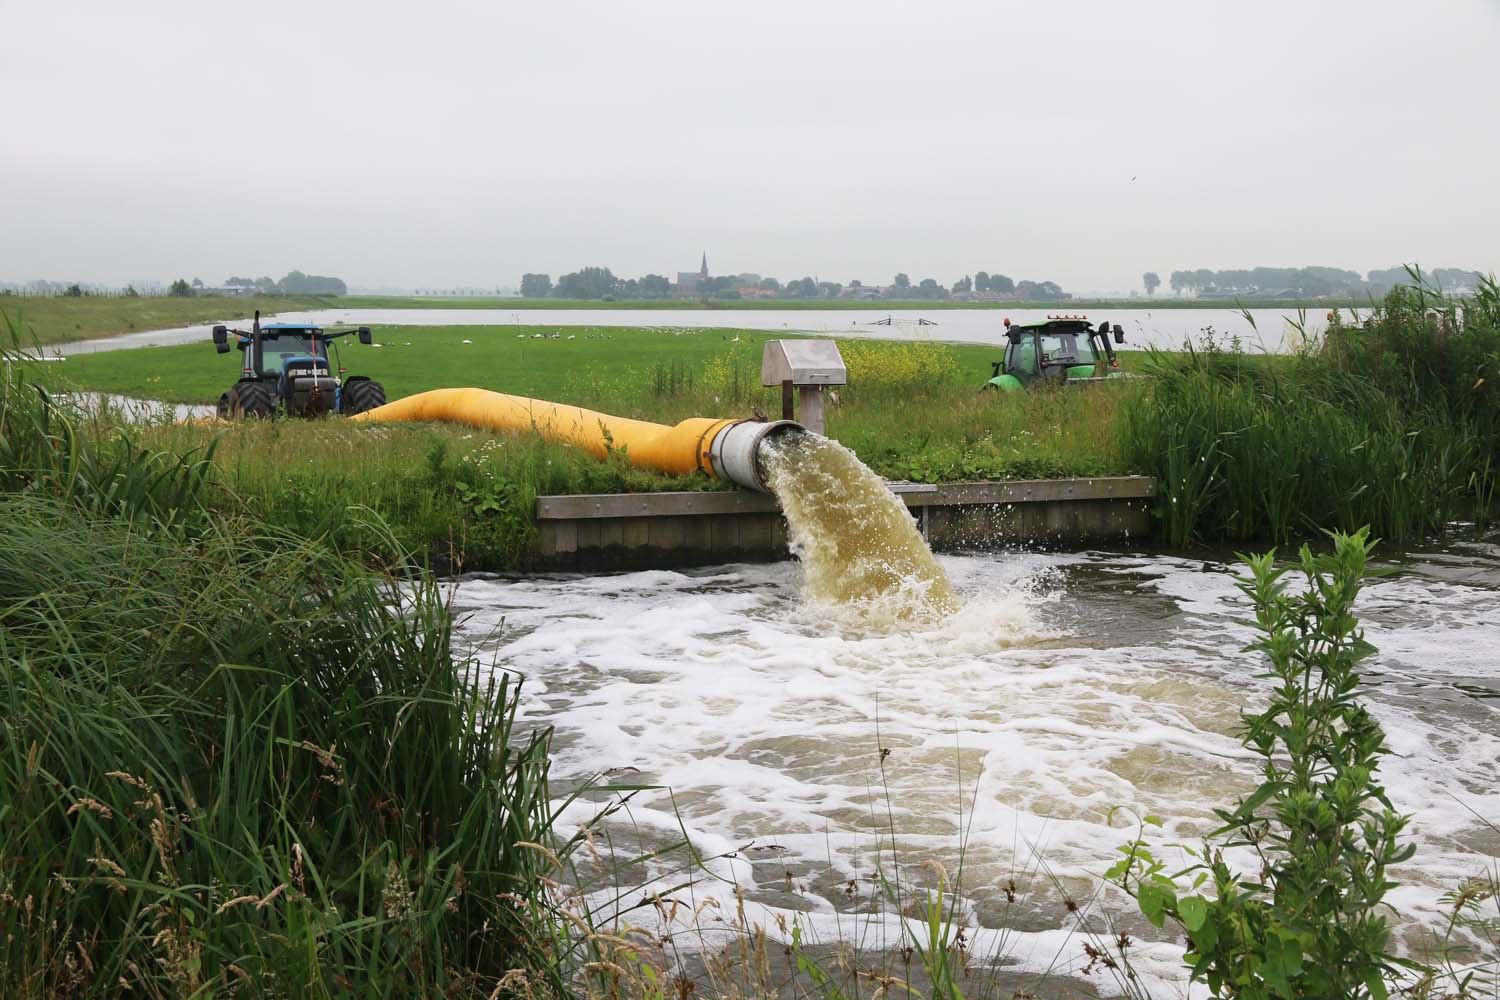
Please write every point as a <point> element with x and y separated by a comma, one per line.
<point>596,532</point>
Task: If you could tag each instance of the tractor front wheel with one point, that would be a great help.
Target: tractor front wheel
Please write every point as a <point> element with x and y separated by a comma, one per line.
<point>361,395</point>
<point>247,399</point>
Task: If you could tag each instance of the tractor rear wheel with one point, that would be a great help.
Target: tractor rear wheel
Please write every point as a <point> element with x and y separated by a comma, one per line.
<point>361,395</point>
<point>247,399</point>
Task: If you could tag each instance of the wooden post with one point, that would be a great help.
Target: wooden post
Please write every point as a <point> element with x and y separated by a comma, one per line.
<point>787,412</point>
<point>812,408</point>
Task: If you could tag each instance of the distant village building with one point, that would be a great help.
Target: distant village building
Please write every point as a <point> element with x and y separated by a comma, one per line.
<point>689,282</point>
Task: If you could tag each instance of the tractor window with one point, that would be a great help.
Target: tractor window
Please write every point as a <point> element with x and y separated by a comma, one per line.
<point>275,350</point>
<point>1059,347</point>
<point>1021,358</point>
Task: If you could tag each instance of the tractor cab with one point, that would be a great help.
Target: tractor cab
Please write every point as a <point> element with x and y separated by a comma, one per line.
<point>1060,349</point>
<point>282,345</point>
<point>285,367</point>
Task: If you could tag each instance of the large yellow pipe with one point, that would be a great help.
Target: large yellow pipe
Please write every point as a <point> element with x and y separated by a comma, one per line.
<point>699,444</point>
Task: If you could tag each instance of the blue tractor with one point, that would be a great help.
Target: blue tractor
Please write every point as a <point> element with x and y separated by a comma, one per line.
<point>286,370</point>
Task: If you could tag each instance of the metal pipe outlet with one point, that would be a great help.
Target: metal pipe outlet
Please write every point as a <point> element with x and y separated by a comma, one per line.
<point>736,455</point>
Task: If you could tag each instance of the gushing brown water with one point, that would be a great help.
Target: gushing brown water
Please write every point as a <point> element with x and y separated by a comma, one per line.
<point>857,541</point>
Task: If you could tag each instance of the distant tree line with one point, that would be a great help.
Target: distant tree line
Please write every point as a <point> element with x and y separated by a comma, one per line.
<point>1306,282</point>
<point>602,283</point>
<point>295,283</point>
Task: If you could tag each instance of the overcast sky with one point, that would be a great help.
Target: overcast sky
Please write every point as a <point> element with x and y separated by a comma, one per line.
<point>446,143</point>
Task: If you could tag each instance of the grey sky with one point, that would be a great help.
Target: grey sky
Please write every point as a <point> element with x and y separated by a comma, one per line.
<point>449,143</point>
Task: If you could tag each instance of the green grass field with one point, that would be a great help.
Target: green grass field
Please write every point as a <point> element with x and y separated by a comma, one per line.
<point>565,364</point>
<point>413,359</point>
<point>55,320</point>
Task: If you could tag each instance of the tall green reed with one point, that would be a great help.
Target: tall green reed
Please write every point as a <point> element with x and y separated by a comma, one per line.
<point>1392,422</point>
<point>231,758</point>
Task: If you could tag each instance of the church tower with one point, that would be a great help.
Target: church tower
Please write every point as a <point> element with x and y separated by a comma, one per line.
<point>703,271</point>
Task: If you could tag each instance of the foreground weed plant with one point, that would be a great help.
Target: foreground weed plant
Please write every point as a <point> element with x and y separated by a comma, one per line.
<point>1307,922</point>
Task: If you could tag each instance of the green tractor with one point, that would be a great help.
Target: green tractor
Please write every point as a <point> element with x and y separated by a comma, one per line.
<point>1060,349</point>
<point>286,370</point>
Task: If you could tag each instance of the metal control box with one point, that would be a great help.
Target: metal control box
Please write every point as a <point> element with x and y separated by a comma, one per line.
<point>802,362</point>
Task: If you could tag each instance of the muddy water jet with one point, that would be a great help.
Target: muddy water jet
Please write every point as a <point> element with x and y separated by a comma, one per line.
<point>857,541</point>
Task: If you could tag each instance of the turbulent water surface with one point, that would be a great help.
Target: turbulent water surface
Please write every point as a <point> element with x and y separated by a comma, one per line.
<point>1064,688</point>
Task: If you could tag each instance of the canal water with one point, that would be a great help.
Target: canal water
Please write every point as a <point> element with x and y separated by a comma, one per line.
<point>1009,741</point>
<point>1267,329</point>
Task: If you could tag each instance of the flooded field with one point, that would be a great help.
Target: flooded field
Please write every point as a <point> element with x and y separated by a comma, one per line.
<point>1271,330</point>
<point>1000,741</point>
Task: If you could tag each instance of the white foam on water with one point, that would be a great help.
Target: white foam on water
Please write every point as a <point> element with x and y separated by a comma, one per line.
<point>1065,688</point>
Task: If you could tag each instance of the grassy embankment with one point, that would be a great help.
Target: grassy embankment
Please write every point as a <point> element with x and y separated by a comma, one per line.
<point>911,411</point>
<point>235,762</point>
<point>56,319</point>
<point>1393,423</point>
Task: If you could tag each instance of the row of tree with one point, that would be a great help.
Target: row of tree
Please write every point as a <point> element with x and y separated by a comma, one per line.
<point>602,283</point>
<point>1306,282</point>
<point>595,283</point>
<point>295,283</point>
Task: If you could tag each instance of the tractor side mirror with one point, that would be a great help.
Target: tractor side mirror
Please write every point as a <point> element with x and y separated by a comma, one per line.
<point>221,339</point>
<point>1119,334</point>
<point>364,335</point>
<point>1014,336</point>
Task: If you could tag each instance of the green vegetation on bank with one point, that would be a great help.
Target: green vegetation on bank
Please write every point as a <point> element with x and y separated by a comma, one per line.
<point>467,497</point>
<point>235,760</point>
<point>1393,422</point>
<point>457,498</point>
<point>57,319</point>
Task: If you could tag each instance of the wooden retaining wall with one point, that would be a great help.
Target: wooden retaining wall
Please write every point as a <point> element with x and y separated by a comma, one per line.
<point>669,530</point>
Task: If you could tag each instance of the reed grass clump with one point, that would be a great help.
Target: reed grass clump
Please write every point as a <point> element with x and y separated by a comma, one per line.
<point>233,760</point>
<point>451,497</point>
<point>1392,422</point>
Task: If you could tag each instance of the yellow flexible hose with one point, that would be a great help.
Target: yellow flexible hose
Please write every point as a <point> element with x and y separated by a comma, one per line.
<point>679,450</point>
